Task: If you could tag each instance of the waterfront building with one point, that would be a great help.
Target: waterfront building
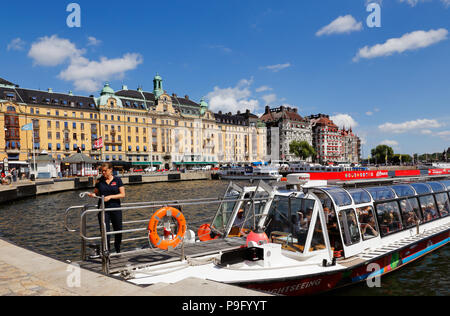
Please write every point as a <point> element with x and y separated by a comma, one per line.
<point>135,127</point>
<point>285,125</point>
<point>333,144</point>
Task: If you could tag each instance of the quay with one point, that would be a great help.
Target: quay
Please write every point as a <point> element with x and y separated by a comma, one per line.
<point>26,273</point>
<point>26,188</point>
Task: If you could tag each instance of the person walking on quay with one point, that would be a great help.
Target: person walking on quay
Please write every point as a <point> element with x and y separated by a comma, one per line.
<point>113,190</point>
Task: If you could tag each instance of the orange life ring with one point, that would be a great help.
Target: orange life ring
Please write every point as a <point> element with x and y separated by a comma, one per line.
<point>204,233</point>
<point>153,225</point>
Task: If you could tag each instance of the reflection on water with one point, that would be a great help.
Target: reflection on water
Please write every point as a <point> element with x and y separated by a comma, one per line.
<point>37,224</point>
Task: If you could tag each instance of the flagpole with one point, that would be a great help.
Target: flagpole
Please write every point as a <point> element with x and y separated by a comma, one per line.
<point>34,153</point>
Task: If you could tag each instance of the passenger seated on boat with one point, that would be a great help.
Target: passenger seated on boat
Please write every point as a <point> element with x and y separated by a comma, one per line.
<point>367,222</point>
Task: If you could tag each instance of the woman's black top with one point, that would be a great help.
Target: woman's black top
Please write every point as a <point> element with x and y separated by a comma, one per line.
<point>106,189</point>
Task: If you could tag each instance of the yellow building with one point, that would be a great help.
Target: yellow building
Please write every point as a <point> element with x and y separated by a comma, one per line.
<point>138,128</point>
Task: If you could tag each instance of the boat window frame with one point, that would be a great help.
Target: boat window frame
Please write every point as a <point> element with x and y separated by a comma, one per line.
<point>402,211</point>
<point>448,199</point>
<point>329,192</point>
<point>346,229</point>
<point>397,201</point>
<point>435,204</point>
<point>359,202</point>
<point>443,189</point>
<point>377,227</point>
<point>231,186</point>
<point>403,196</point>
<point>290,233</point>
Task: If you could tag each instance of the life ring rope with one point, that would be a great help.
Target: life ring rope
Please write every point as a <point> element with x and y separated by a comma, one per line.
<point>155,239</point>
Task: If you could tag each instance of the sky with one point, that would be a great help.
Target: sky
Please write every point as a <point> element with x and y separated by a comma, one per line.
<point>381,67</point>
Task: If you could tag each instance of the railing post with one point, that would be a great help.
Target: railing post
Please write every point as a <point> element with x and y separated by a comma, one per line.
<point>83,233</point>
<point>105,251</point>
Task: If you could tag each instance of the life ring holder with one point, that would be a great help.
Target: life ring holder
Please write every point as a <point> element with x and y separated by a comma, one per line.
<point>155,239</point>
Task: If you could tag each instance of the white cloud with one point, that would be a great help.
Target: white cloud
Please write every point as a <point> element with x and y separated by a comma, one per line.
<point>233,99</point>
<point>263,88</point>
<point>87,75</point>
<point>222,48</point>
<point>16,44</point>
<point>270,98</point>
<point>410,126</point>
<point>409,41</point>
<point>444,135</point>
<point>413,3</point>
<point>92,41</point>
<point>276,68</point>
<point>344,121</point>
<point>343,24</point>
<point>53,51</point>
<point>392,143</point>
<point>369,113</point>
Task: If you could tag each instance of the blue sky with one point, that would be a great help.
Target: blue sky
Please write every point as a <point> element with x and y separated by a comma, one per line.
<point>390,82</point>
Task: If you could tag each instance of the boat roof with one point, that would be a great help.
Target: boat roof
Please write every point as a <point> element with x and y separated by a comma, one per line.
<point>348,196</point>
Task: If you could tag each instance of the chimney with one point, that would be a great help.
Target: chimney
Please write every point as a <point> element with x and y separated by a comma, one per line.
<point>50,90</point>
<point>186,97</point>
<point>220,112</point>
<point>238,112</point>
<point>247,112</point>
<point>174,95</point>
<point>267,110</point>
<point>124,87</point>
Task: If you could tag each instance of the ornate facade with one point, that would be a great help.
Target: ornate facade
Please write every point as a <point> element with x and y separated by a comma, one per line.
<point>137,127</point>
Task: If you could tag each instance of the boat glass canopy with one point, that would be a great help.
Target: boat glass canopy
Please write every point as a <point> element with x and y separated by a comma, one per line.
<point>436,186</point>
<point>421,188</point>
<point>340,196</point>
<point>446,183</point>
<point>360,196</point>
<point>403,190</point>
<point>381,193</point>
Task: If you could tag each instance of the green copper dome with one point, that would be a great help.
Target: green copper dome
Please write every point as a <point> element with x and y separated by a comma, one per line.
<point>107,89</point>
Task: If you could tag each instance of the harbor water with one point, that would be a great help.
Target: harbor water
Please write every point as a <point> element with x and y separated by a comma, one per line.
<point>37,224</point>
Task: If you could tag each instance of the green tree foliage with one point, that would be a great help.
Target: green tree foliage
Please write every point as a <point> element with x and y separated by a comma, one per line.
<point>380,153</point>
<point>302,149</point>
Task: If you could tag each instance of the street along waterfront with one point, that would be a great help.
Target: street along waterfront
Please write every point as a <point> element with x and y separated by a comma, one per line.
<point>36,223</point>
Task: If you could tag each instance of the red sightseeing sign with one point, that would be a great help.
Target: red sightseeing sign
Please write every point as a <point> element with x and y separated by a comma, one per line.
<point>437,172</point>
<point>350,175</point>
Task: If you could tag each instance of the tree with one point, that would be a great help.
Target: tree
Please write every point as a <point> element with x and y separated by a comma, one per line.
<point>381,152</point>
<point>302,149</point>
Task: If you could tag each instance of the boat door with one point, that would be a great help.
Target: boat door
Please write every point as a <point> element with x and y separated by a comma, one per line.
<point>345,220</point>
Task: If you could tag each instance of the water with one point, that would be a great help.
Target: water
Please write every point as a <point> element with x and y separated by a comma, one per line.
<point>37,224</point>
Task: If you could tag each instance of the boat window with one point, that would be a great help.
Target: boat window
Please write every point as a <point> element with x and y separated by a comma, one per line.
<point>367,223</point>
<point>429,209</point>
<point>340,196</point>
<point>331,220</point>
<point>403,190</point>
<point>389,218</point>
<point>443,204</point>
<point>421,188</point>
<point>288,222</point>
<point>360,196</point>
<point>317,242</point>
<point>410,212</point>
<point>349,227</point>
<point>380,194</point>
<point>225,211</point>
<point>436,186</point>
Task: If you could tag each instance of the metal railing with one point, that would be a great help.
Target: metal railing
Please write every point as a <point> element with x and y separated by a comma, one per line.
<point>126,207</point>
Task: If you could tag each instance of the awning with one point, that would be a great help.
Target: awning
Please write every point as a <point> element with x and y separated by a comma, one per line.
<point>146,163</point>
<point>195,163</point>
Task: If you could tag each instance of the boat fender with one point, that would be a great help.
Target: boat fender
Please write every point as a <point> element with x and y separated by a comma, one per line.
<point>166,243</point>
<point>205,234</point>
<point>259,237</point>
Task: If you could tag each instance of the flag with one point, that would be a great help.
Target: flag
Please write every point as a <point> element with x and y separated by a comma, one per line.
<point>28,127</point>
<point>98,144</point>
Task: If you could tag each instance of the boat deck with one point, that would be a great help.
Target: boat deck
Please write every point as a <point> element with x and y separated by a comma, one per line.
<point>150,257</point>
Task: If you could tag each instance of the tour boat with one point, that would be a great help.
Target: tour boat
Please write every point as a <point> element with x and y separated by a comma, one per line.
<point>260,172</point>
<point>305,167</point>
<point>299,237</point>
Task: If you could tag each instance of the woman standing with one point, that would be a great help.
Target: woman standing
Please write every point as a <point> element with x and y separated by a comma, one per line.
<point>113,190</point>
